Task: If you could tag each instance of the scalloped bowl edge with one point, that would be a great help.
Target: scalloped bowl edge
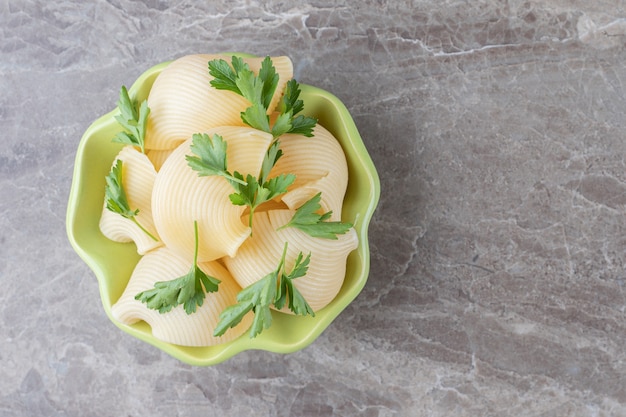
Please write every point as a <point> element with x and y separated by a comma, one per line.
<point>288,333</point>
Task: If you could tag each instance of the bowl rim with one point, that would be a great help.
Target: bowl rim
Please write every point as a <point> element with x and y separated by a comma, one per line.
<point>222,352</point>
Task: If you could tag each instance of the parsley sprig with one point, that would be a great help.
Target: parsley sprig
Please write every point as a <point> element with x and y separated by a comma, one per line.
<point>254,193</point>
<point>134,118</point>
<point>188,290</point>
<point>210,159</point>
<point>307,219</point>
<point>115,197</point>
<point>275,288</point>
<point>259,90</point>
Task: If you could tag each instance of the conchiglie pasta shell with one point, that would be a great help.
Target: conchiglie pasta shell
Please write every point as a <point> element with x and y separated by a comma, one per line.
<point>320,166</point>
<point>182,102</point>
<point>176,326</point>
<point>158,156</point>
<point>138,177</point>
<point>261,253</point>
<point>181,197</point>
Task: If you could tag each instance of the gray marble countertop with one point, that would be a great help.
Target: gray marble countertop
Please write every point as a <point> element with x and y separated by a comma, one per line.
<point>498,247</point>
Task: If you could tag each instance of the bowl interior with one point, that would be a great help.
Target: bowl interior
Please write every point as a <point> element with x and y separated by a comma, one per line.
<point>114,262</point>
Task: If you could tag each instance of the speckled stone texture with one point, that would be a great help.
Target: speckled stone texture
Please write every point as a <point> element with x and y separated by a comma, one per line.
<point>498,248</point>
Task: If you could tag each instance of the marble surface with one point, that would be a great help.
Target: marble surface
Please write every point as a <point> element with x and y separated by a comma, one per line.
<point>498,248</point>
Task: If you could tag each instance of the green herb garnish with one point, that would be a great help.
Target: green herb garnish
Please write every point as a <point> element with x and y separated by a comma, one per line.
<point>115,196</point>
<point>253,193</point>
<point>133,118</point>
<point>210,159</point>
<point>307,219</point>
<point>288,293</point>
<point>276,288</point>
<point>188,290</point>
<point>259,90</point>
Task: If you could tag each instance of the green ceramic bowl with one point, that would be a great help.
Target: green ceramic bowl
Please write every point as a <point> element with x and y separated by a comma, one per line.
<point>113,262</point>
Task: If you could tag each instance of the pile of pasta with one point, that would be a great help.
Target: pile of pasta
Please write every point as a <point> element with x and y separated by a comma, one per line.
<point>171,196</point>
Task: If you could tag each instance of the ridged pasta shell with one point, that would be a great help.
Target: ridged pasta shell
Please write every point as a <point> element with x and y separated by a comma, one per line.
<point>182,102</point>
<point>138,176</point>
<point>181,197</point>
<point>158,156</point>
<point>176,326</point>
<point>320,166</point>
<point>261,253</point>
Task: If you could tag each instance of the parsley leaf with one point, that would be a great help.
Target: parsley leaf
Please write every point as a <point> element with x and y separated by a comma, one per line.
<point>188,289</point>
<point>250,86</point>
<point>291,101</point>
<point>278,185</point>
<point>309,221</point>
<point>241,80</point>
<point>210,156</point>
<point>255,116</point>
<point>289,107</point>
<point>287,292</point>
<point>269,78</point>
<point>134,119</point>
<point>272,156</point>
<point>258,298</point>
<point>259,90</point>
<point>303,125</point>
<point>253,194</point>
<point>283,124</point>
<point>224,78</point>
<point>275,288</point>
<point>115,196</point>
<point>210,159</point>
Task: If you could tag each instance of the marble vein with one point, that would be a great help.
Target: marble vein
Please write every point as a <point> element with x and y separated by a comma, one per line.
<point>498,249</point>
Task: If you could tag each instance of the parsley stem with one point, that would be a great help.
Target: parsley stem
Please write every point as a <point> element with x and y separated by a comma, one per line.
<point>281,265</point>
<point>250,216</point>
<point>142,228</point>
<point>283,256</point>
<point>195,251</point>
<point>233,178</point>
